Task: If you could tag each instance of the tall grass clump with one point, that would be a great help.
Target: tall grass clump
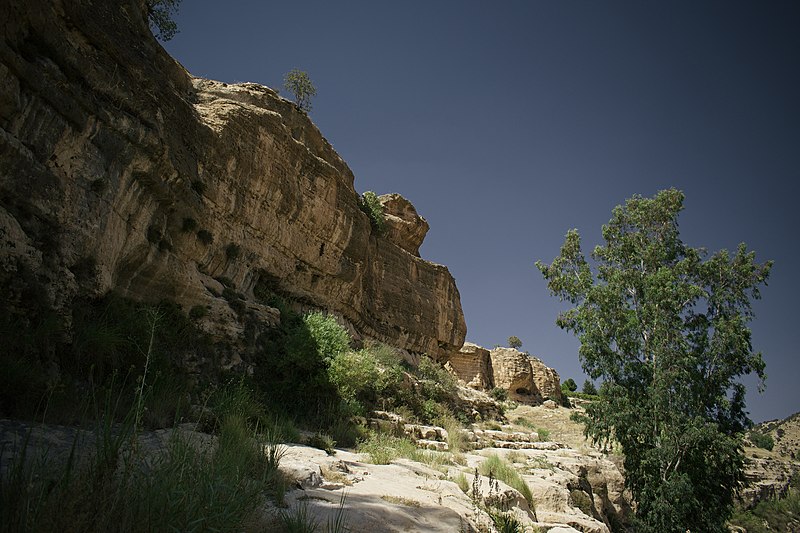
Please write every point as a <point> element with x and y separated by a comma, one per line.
<point>382,448</point>
<point>190,485</point>
<point>495,466</point>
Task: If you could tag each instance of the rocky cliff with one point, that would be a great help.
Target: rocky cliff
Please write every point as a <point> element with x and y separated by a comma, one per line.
<point>119,170</point>
<point>526,378</point>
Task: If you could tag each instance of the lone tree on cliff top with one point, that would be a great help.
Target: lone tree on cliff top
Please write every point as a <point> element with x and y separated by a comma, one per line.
<point>159,15</point>
<point>666,327</point>
<point>299,84</point>
<point>514,342</point>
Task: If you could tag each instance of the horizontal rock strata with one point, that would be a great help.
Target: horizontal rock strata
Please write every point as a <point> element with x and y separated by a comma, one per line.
<point>112,155</point>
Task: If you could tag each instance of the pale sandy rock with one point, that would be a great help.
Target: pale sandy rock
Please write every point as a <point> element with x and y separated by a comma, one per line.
<point>473,365</point>
<point>526,378</point>
<point>111,166</point>
<point>404,226</point>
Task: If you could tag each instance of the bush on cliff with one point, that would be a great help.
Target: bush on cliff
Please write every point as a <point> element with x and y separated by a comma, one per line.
<point>369,204</point>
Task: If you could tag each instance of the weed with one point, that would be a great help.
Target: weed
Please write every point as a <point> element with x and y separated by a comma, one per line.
<point>232,251</point>
<point>205,237</point>
<point>461,481</point>
<point>399,500</point>
<point>543,434</point>
<point>323,441</point>
<point>503,471</point>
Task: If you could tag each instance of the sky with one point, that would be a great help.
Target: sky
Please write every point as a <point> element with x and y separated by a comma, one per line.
<point>508,123</point>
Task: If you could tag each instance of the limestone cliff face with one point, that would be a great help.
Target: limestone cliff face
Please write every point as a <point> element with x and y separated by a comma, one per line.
<point>526,378</point>
<point>112,155</point>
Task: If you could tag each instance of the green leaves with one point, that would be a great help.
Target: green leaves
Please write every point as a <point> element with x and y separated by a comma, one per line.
<point>668,332</point>
<point>299,84</point>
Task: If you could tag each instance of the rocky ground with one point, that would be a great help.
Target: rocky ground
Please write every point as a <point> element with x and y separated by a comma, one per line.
<point>574,486</point>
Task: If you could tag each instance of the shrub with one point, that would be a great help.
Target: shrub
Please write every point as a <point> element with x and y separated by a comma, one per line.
<point>514,342</point>
<point>371,205</point>
<point>494,465</point>
<point>197,312</point>
<point>323,441</point>
<point>188,225</point>
<point>329,337</point>
<point>762,440</point>
<point>205,237</point>
<point>199,187</point>
<point>232,251</point>
<point>569,385</point>
<point>499,393</point>
<point>382,448</point>
<point>543,434</point>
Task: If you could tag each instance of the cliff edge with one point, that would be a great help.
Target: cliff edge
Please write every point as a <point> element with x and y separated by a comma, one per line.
<point>120,171</point>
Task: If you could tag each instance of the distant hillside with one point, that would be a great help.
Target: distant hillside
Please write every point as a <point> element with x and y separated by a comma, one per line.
<point>786,434</point>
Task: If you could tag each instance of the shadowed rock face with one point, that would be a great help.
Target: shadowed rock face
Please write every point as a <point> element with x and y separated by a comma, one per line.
<point>111,154</point>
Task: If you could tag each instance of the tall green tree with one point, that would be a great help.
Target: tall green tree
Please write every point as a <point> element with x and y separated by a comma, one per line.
<point>514,342</point>
<point>299,84</point>
<point>666,327</point>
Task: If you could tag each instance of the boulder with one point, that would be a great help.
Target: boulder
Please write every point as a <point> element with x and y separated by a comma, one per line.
<point>527,379</point>
<point>404,226</point>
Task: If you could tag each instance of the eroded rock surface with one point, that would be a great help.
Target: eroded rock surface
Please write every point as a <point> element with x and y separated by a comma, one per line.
<point>404,226</point>
<point>113,156</point>
<point>527,379</point>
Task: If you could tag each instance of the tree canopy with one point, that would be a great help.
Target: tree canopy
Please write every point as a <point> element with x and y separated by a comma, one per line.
<point>514,342</point>
<point>299,84</point>
<point>159,15</point>
<point>666,327</point>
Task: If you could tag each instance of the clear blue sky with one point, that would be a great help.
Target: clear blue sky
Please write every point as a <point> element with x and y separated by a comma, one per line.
<point>508,123</point>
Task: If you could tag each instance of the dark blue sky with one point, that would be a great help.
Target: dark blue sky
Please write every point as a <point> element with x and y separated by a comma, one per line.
<point>508,123</point>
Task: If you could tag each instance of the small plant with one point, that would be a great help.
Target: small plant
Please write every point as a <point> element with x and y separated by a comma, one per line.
<point>323,441</point>
<point>372,207</point>
<point>298,520</point>
<point>189,225</point>
<point>383,448</point>
<point>232,251</point>
<point>153,234</point>
<point>205,237</point>
<point>499,393</point>
<point>762,440</point>
<point>461,481</point>
<point>199,187</point>
<point>399,500</point>
<point>197,312</point>
<point>543,434</point>
<point>503,471</point>
<point>299,84</point>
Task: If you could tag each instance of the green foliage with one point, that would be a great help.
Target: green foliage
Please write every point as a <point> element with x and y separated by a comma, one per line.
<point>499,393</point>
<point>159,16</point>
<point>205,237</point>
<point>188,225</point>
<point>197,312</point>
<point>383,448</point>
<point>495,466</point>
<point>780,514</point>
<point>667,328</point>
<point>323,441</point>
<point>514,342</point>
<point>589,388</point>
<point>232,251</point>
<point>461,481</point>
<point>569,385</point>
<point>299,84</point>
<point>762,440</point>
<point>543,434</point>
<point>372,207</point>
<point>330,339</point>
<point>188,486</point>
